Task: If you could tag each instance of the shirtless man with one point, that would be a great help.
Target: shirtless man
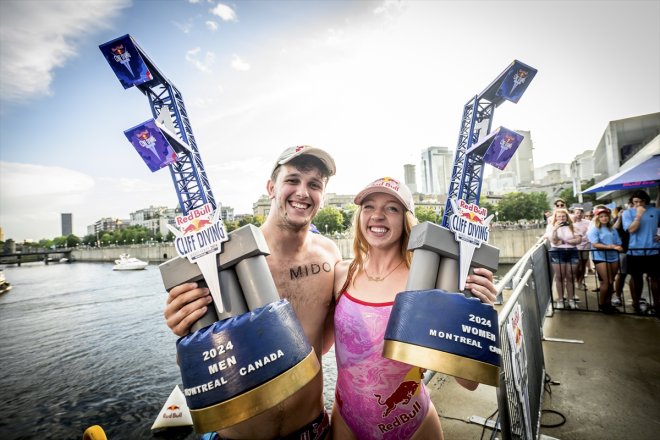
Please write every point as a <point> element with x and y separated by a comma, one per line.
<point>296,189</point>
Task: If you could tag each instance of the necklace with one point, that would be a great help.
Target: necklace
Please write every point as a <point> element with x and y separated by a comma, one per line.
<point>381,278</point>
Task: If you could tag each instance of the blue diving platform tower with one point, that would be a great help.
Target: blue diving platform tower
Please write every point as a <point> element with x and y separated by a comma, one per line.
<point>476,144</point>
<point>134,68</point>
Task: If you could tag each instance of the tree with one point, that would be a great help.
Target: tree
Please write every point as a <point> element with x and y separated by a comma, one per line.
<point>518,206</point>
<point>348,212</point>
<point>490,207</point>
<point>256,220</point>
<point>427,214</point>
<point>231,225</point>
<point>329,219</point>
<point>72,240</point>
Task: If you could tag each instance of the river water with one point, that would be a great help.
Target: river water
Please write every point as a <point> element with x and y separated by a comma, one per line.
<point>82,344</point>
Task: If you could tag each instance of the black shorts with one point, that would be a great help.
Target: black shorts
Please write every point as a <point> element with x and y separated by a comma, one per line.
<point>644,264</point>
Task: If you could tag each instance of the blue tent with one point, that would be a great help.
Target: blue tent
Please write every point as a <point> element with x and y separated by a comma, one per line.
<point>642,175</point>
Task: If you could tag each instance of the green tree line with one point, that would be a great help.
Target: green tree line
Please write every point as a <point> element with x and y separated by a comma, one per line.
<point>330,220</point>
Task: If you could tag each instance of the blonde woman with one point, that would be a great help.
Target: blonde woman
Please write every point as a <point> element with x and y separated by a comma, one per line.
<point>564,256</point>
<point>606,241</point>
<point>365,289</point>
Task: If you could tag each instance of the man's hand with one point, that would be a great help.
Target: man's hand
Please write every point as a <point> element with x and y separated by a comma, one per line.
<point>186,303</point>
<point>481,285</point>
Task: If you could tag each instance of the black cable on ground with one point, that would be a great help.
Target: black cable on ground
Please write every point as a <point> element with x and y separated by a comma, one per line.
<point>483,430</point>
<point>547,382</point>
<point>555,425</point>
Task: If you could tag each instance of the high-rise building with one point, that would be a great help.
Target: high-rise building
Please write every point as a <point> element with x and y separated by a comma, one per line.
<point>436,163</point>
<point>67,224</point>
<point>410,179</point>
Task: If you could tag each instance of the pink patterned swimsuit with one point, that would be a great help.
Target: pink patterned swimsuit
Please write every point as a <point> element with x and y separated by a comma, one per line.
<point>378,398</point>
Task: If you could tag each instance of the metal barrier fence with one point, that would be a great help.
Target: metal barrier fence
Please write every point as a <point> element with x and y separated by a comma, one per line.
<point>522,376</point>
<point>521,319</point>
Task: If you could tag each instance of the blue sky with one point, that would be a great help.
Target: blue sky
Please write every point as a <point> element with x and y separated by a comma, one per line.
<point>373,82</point>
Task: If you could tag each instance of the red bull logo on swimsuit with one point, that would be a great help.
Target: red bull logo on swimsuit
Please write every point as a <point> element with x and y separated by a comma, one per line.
<point>401,397</point>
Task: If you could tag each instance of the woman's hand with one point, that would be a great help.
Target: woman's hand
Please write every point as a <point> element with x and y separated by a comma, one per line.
<point>186,303</point>
<point>480,283</point>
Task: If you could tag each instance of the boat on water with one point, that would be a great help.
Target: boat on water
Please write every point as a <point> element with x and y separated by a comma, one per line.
<point>126,262</point>
<point>4,285</point>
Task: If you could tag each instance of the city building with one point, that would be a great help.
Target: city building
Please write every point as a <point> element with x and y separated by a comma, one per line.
<point>107,224</point>
<point>410,177</point>
<point>339,201</point>
<point>553,174</point>
<point>227,213</point>
<point>261,206</point>
<point>155,218</point>
<point>67,224</point>
<point>436,169</point>
<point>624,144</point>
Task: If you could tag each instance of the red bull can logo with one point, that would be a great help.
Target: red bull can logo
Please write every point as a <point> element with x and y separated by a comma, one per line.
<point>401,396</point>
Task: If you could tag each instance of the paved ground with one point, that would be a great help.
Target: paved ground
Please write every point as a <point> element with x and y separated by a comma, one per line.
<point>609,385</point>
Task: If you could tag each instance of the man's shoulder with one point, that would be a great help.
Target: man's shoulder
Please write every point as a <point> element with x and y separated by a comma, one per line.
<point>321,244</point>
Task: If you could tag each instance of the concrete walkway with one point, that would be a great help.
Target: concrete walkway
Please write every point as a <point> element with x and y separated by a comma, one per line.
<point>609,386</point>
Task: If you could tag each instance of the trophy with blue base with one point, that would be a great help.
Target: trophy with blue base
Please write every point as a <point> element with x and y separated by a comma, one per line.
<point>249,352</point>
<point>434,326</point>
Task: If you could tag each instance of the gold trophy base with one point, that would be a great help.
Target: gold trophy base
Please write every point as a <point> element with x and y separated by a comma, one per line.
<point>244,406</point>
<point>442,362</point>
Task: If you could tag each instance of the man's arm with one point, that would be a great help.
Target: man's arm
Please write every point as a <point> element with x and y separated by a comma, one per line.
<point>633,226</point>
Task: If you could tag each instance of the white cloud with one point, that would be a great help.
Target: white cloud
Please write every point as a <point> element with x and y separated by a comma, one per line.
<point>36,38</point>
<point>32,197</point>
<point>389,8</point>
<point>224,12</point>
<point>185,27</point>
<point>237,63</point>
<point>192,56</point>
<point>26,180</point>
<point>212,25</point>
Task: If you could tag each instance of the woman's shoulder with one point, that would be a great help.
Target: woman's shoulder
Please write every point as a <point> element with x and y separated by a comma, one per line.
<point>341,272</point>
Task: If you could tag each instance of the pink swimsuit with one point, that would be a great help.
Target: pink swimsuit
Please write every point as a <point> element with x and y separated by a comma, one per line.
<point>378,398</point>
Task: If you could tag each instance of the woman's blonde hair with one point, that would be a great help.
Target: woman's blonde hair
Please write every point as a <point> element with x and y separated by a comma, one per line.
<point>361,247</point>
<point>568,218</point>
<point>600,209</point>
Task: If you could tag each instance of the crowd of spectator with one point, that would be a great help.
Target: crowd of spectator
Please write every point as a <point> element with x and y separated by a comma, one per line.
<point>614,243</point>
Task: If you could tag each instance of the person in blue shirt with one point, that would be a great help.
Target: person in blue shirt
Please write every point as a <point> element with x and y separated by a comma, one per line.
<point>607,244</point>
<point>642,222</point>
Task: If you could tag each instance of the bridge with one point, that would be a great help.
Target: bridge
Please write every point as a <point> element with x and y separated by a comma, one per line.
<point>32,256</point>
